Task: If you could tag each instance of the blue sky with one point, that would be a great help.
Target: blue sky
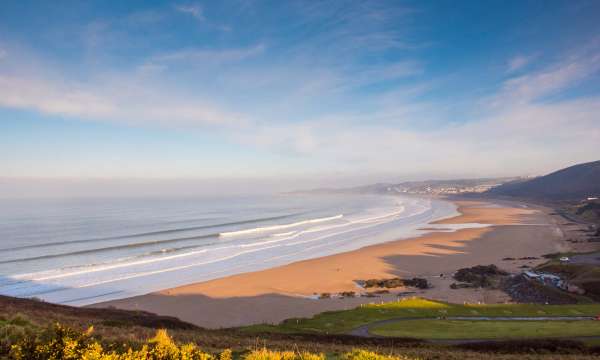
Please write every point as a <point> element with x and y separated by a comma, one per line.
<point>377,90</point>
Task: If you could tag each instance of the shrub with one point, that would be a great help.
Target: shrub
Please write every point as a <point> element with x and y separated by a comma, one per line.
<point>226,355</point>
<point>358,354</point>
<point>19,320</point>
<point>265,354</point>
<point>60,343</point>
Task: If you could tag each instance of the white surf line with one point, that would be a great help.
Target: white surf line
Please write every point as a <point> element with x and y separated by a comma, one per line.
<point>360,221</point>
<point>277,227</point>
<point>153,272</point>
<point>522,224</point>
<point>32,276</point>
<point>373,221</point>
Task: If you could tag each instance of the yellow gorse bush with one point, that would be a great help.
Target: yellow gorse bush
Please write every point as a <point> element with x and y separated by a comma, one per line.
<point>265,354</point>
<point>358,354</point>
<point>65,344</point>
<point>60,343</point>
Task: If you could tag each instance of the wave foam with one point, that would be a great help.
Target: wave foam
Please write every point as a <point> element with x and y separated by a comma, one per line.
<point>279,227</point>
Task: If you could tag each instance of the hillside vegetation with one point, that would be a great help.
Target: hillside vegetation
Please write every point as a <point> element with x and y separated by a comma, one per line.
<point>36,330</point>
<point>573,183</point>
<point>63,343</point>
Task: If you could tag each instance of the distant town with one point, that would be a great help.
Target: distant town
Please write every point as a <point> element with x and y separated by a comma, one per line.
<point>443,189</point>
<point>429,187</point>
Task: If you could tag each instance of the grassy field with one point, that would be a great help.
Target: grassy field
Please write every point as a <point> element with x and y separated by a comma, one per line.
<point>338,322</point>
<point>462,329</point>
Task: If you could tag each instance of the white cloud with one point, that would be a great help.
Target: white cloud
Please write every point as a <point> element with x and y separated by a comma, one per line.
<point>203,57</point>
<point>519,62</point>
<point>194,10</point>
<point>528,139</point>
<point>388,72</point>
<point>130,97</point>
<point>20,92</point>
<point>552,79</point>
<point>517,134</point>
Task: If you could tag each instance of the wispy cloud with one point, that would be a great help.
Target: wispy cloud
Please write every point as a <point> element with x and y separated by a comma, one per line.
<point>73,100</point>
<point>516,134</point>
<point>210,56</point>
<point>519,62</point>
<point>129,97</point>
<point>521,140</point>
<point>351,140</point>
<point>337,85</point>
<point>389,72</point>
<point>194,10</point>
<point>549,80</point>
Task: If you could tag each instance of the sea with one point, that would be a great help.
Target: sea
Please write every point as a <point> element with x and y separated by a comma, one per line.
<point>86,250</point>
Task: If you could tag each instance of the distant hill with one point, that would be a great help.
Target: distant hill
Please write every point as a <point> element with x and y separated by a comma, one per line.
<point>573,183</point>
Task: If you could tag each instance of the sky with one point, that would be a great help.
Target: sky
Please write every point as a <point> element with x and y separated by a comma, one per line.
<point>296,92</point>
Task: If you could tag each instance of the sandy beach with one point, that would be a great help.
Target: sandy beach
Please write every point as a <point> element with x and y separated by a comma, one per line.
<point>516,230</point>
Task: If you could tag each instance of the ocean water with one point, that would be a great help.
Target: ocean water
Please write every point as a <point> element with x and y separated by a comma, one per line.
<point>82,251</point>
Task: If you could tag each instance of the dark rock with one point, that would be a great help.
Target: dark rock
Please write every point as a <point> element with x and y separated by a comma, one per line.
<point>523,290</point>
<point>396,282</point>
<point>348,294</point>
<point>480,275</point>
<point>461,286</point>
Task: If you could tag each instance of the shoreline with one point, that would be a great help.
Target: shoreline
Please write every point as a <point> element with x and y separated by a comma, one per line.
<point>272,295</point>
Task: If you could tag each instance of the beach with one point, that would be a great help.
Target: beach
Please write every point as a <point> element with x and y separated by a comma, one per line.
<point>516,230</point>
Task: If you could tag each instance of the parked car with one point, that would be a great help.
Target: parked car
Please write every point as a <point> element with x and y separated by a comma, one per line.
<point>564,259</point>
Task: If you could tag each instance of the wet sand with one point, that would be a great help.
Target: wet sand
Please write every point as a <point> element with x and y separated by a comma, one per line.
<point>283,292</point>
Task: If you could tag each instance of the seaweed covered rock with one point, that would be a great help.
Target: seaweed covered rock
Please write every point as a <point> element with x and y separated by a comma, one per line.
<point>419,283</point>
<point>480,275</point>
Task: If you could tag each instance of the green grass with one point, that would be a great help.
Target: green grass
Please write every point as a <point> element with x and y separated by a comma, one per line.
<point>337,322</point>
<point>461,329</point>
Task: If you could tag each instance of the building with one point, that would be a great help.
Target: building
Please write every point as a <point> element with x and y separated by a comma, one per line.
<point>546,279</point>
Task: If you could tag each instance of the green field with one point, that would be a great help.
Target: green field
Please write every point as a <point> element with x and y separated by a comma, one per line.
<point>339,322</point>
<point>462,329</point>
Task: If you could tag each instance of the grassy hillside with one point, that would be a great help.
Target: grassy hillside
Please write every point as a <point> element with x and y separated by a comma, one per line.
<point>29,330</point>
<point>589,211</point>
<point>575,182</point>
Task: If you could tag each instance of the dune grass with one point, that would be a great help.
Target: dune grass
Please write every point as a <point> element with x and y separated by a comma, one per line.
<point>337,322</point>
<point>462,329</point>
